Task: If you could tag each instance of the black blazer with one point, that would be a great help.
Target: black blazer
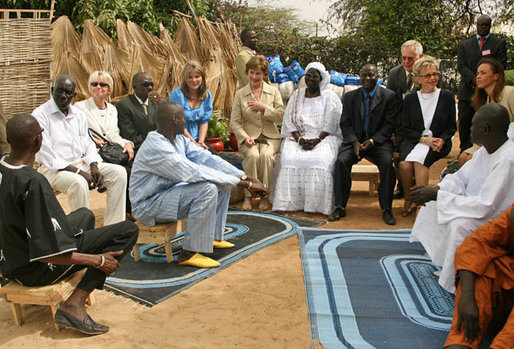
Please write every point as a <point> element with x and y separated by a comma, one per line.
<point>396,82</point>
<point>382,116</point>
<point>467,59</point>
<point>134,124</point>
<point>443,124</point>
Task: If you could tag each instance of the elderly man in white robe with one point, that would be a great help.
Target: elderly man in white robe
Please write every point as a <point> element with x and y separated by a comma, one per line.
<point>480,191</point>
<point>172,178</point>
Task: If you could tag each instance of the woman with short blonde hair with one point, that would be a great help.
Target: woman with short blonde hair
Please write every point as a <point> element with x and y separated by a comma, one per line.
<point>427,127</point>
<point>102,117</point>
<point>256,111</point>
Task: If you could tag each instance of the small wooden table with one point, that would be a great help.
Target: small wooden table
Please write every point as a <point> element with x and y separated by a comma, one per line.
<point>368,173</point>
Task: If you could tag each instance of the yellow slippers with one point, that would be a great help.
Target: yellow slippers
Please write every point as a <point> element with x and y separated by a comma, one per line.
<point>200,261</point>
<point>222,244</point>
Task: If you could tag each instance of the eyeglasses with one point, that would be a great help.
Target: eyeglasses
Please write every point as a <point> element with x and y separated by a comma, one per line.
<point>432,75</point>
<point>410,59</point>
<point>146,84</point>
<point>102,84</point>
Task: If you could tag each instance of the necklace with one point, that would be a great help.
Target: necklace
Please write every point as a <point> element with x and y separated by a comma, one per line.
<point>427,95</point>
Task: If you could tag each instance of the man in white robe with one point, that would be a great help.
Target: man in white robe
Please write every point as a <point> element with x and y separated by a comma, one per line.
<point>480,191</point>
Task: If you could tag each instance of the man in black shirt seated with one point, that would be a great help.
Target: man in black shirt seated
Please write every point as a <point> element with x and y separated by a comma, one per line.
<point>40,244</point>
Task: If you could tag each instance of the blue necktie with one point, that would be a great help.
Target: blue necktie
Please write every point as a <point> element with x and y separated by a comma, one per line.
<point>367,103</point>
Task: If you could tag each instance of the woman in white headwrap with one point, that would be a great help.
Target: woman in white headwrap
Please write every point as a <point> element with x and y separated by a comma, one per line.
<point>311,137</point>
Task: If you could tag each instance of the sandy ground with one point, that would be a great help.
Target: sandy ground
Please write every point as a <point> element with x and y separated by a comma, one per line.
<point>258,302</point>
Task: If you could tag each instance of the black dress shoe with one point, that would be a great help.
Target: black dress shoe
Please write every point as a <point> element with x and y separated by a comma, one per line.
<point>338,213</point>
<point>87,325</point>
<point>388,218</point>
<point>398,194</point>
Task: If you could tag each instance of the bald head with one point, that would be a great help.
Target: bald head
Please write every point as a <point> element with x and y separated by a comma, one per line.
<point>490,124</point>
<point>22,132</point>
<point>495,115</point>
<point>63,92</point>
<point>170,119</point>
<point>484,25</point>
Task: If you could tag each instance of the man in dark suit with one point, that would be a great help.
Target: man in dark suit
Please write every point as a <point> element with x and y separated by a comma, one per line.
<point>367,123</point>
<point>401,81</point>
<point>482,45</point>
<point>136,112</point>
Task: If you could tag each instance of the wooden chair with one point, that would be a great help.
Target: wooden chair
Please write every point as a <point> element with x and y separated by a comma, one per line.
<point>52,295</point>
<point>158,234</point>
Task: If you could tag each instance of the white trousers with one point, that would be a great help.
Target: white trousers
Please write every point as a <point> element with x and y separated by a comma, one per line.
<point>77,189</point>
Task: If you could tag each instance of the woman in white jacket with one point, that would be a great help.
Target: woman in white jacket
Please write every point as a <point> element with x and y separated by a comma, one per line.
<point>102,116</point>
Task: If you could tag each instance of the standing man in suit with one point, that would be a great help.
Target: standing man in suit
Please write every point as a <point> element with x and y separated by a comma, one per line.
<point>136,112</point>
<point>367,123</point>
<point>482,45</point>
<point>401,81</point>
<point>401,78</point>
<point>249,40</point>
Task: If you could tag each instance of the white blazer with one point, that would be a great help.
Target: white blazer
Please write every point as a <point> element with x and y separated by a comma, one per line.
<point>94,119</point>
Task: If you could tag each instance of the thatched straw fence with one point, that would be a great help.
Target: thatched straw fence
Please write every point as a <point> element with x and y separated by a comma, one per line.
<point>33,53</point>
<point>25,58</point>
<point>215,45</point>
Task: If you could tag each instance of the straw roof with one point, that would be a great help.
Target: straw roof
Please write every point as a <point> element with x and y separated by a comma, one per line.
<point>215,45</point>
<point>93,46</point>
<point>220,63</point>
<point>188,42</point>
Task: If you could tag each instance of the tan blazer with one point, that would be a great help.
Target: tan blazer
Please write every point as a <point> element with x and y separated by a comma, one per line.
<point>245,122</point>
<point>507,100</point>
<point>242,58</point>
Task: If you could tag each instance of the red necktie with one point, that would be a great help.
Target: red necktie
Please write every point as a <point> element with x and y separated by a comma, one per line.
<point>482,40</point>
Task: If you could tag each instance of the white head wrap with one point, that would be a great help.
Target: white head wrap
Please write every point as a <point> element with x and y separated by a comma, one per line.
<point>325,76</point>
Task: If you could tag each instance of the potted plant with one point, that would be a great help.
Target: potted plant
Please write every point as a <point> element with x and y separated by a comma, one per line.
<point>217,132</point>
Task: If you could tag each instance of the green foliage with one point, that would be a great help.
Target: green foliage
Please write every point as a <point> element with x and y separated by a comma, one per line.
<point>146,13</point>
<point>509,77</point>
<point>218,127</point>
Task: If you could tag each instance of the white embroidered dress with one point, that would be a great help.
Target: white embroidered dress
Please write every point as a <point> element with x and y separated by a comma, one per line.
<point>303,178</point>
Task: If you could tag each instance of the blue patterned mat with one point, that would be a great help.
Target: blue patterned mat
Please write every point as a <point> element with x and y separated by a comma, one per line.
<point>152,280</point>
<point>372,289</point>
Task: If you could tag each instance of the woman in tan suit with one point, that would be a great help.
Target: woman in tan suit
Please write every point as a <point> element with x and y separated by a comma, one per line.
<point>257,109</point>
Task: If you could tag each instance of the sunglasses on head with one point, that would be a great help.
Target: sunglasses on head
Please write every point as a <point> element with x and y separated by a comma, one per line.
<point>102,84</point>
<point>146,84</point>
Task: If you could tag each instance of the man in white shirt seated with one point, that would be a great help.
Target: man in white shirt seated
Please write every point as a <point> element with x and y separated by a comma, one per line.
<point>68,156</point>
<point>463,201</point>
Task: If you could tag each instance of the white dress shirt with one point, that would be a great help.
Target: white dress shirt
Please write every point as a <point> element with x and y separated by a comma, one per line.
<point>65,137</point>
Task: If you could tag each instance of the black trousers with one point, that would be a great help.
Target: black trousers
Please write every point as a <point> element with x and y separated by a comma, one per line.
<point>382,156</point>
<point>114,237</point>
<point>466,112</point>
